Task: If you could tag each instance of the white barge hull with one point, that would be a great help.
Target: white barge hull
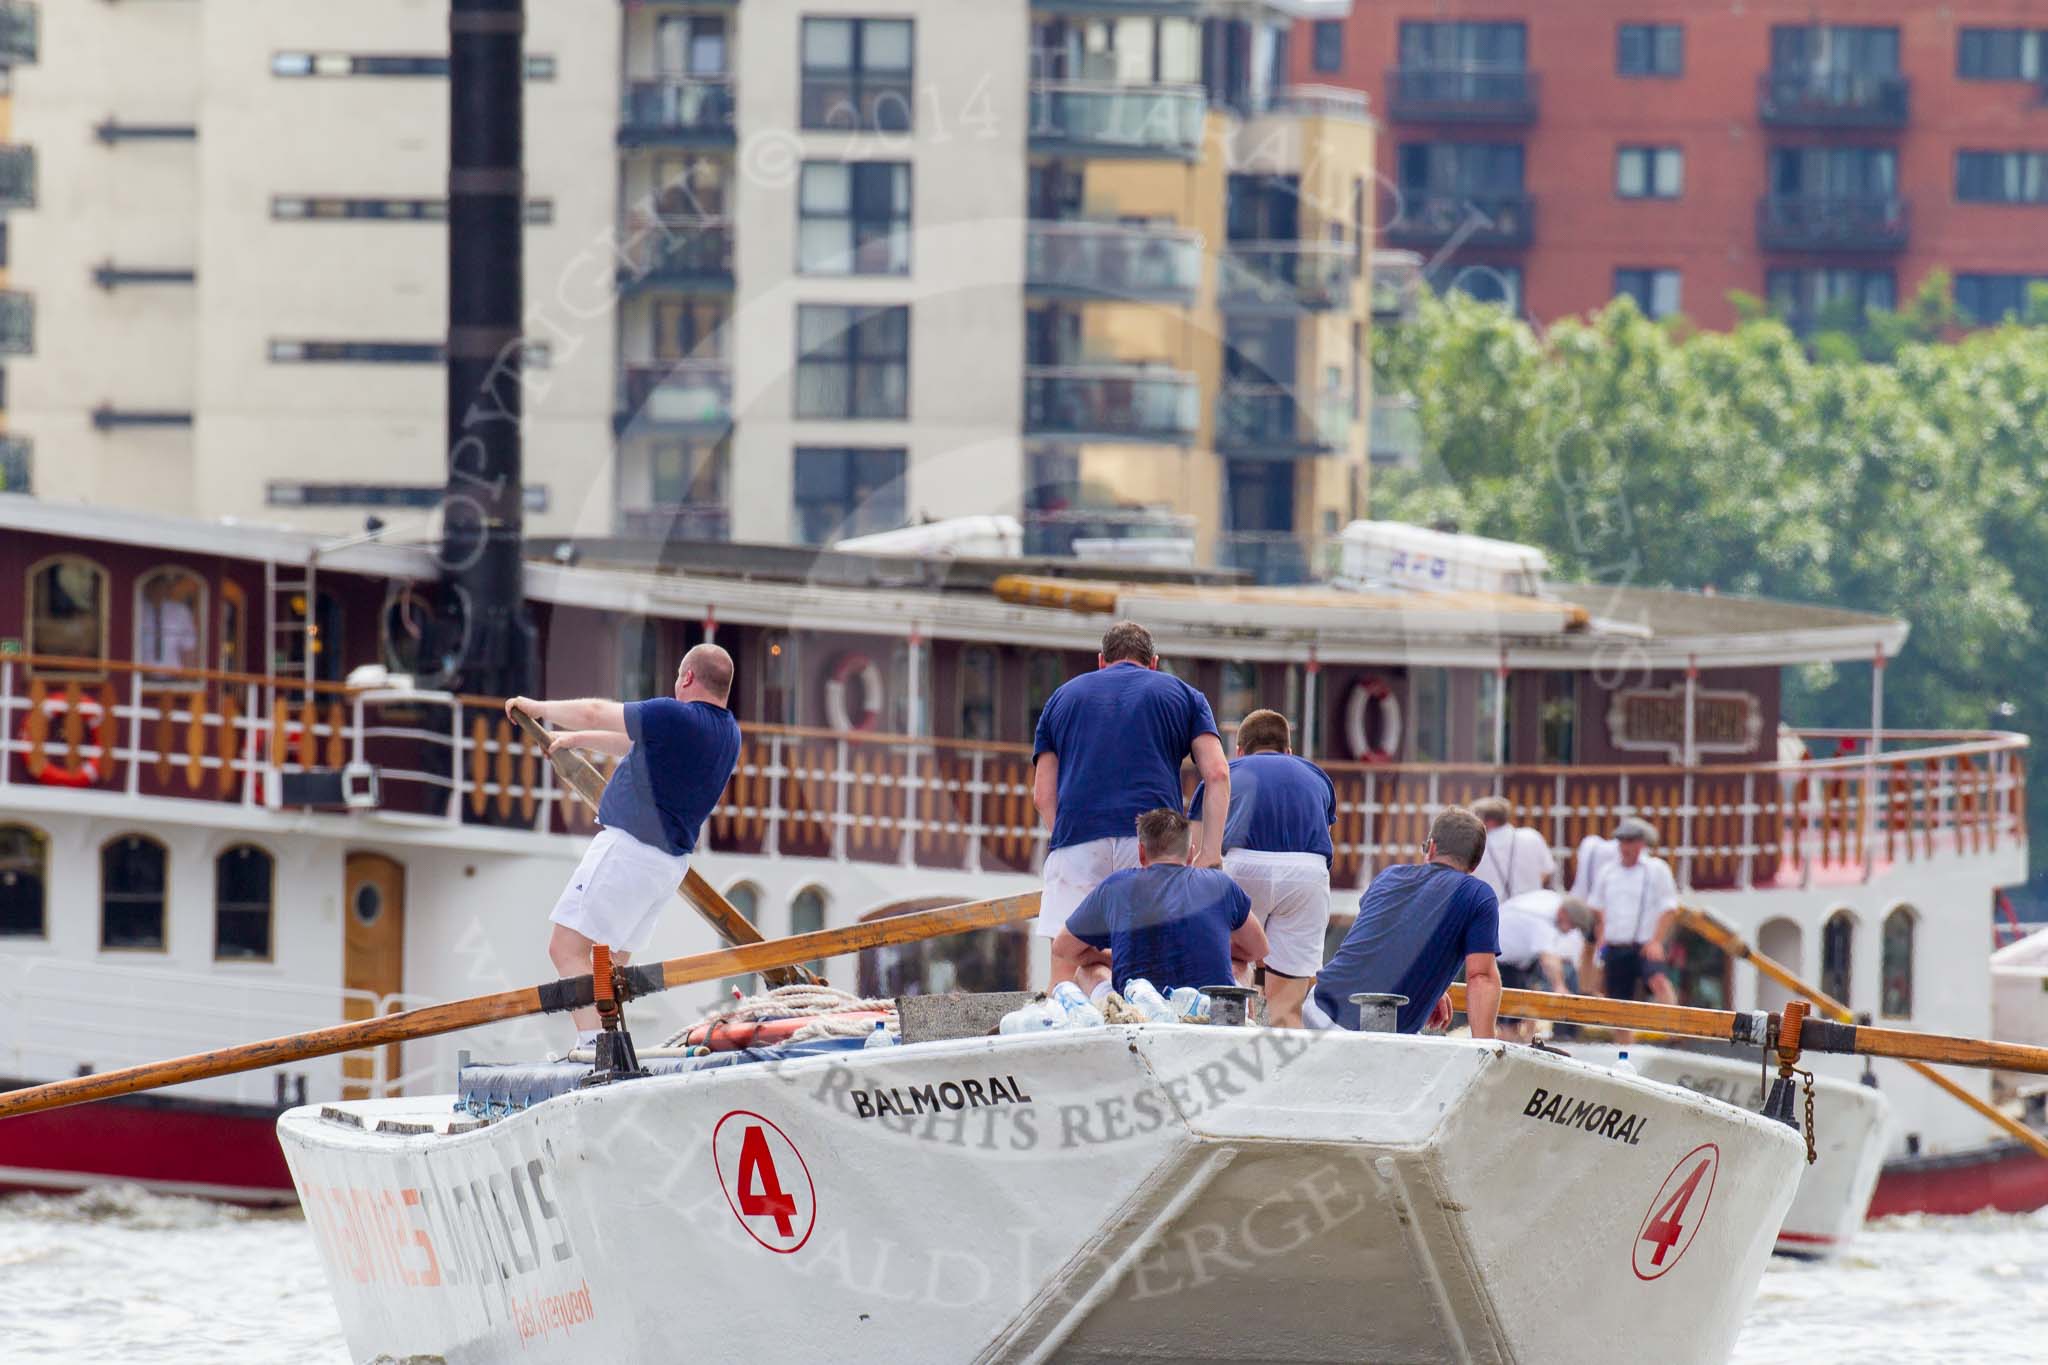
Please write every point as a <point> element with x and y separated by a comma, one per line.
<point>1174,1193</point>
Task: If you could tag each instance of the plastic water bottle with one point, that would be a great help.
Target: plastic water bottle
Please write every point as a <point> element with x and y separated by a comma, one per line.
<point>1624,1065</point>
<point>1075,1009</point>
<point>881,1037</point>
<point>1186,1002</point>
<point>1147,1000</point>
<point>1035,1017</point>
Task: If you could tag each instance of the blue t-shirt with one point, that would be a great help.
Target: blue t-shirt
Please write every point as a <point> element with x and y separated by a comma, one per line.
<point>1120,734</point>
<point>1416,925</point>
<point>682,754</point>
<point>1279,803</point>
<point>1167,923</point>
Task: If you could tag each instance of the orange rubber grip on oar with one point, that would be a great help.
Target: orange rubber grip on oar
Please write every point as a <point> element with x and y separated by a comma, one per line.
<point>1790,1024</point>
<point>601,988</point>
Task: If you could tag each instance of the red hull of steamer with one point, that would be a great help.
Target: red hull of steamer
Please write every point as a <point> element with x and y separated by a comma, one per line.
<point>2005,1176</point>
<point>208,1149</point>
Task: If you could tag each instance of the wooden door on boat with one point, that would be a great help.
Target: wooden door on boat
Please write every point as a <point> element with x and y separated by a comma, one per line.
<point>373,957</point>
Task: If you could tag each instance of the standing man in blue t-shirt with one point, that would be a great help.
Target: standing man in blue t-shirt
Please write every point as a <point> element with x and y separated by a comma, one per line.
<point>1171,924</point>
<point>1108,749</point>
<point>1276,845</point>
<point>676,754</point>
<point>1415,925</point>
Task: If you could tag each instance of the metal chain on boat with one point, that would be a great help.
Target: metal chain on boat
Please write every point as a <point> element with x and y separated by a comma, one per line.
<point>1812,1154</point>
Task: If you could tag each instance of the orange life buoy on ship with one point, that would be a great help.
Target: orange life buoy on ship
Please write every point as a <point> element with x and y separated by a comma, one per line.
<point>80,772</point>
<point>1372,721</point>
<point>838,710</point>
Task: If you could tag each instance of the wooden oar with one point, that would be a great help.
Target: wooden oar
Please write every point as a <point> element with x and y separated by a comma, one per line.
<point>1753,1028</point>
<point>725,920</point>
<point>555,995</point>
<point>1724,936</point>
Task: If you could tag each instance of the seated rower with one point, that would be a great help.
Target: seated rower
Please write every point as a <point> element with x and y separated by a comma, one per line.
<point>1163,920</point>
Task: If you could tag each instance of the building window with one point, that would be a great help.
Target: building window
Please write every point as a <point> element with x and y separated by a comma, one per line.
<point>1501,284</point>
<point>1994,298</point>
<point>977,692</point>
<point>2002,177</point>
<point>1896,1001</point>
<point>297,64</point>
<point>24,868</point>
<point>854,218</point>
<point>1430,690</point>
<point>1999,54</point>
<point>852,362</point>
<point>1329,45</point>
<point>848,491</point>
<point>690,44</point>
<point>294,493</point>
<point>807,916</point>
<point>1651,50</point>
<point>744,897</point>
<point>1656,292</point>
<point>170,623</point>
<point>355,352</point>
<point>67,609</point>
<point>1043,673</point>
<point>244,879</point>
<point>1557,710</point>
<point>1837,945</point>
<point>1835,171</point>
<point>16,459</point>
<point>1810,298</point>
<point>1461,168</point>
<point>1834,50</point>
<point>132,890</point>
<point>333,208</point>
<point>690,473</point>
<point>857,75</point>
<point>691,329</point>
<point>1649,172</point>
<point>1494,47</point>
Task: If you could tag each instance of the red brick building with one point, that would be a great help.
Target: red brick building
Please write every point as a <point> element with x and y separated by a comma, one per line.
<point>1677,150</point>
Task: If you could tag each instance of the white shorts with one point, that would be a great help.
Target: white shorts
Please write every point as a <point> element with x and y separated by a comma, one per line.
<point>1072,872</point>
<point>1291,898</point>
<point>619,890</point>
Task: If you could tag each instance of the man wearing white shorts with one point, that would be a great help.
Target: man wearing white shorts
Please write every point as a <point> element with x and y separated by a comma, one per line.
<point>1276,846</point>
<point>1108,748</point>
<point>675,756</point>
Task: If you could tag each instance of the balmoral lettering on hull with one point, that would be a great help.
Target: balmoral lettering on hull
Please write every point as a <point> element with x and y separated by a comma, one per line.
<point>899,1100</point>
<point>1586,1116</point>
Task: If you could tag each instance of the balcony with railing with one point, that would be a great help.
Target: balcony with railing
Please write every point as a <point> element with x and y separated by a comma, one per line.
<point>1071,259</point>
<point>1396,286</point>
<point>1286,276</point>
<point>677,521</point>
<point>1419,218</point>
<point>687,252</point>
<point>17,176</point>
<point>1098,119</point>
<point>1122,533</point>
<point>1832,222</point>
<point>20,25</point>
<point>190,736</point>
<point>677,111</point>
<point>1461,93</point>
<point>1265,421</point>
<point>1832,99</point>
<point>1112,403</point>
<point>684,395</point>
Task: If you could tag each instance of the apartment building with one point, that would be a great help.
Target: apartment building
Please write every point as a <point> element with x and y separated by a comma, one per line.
<point>1822,154</point>
<point>792,273</point>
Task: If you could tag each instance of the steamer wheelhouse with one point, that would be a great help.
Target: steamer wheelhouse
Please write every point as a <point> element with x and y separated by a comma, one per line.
<point>226,812</point>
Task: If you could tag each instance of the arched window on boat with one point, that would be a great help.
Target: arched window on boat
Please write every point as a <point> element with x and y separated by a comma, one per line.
<point>996,959</point>
<point>1239,695</point>
<point>24,872</point>
<point>744,897</point>
<point>1837,952</point>
<point>244,887</point>
<point>170,624</point>
<point>977,692</point>
<point>133,883</point>
<point>1042,677</point>
<point>1896,1000</point>
<point>67,611</point>
<point>1784,942</point>
<point>807,916</point>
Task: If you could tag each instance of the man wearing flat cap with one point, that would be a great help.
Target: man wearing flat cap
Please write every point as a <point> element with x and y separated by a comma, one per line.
<point>1638,903</point>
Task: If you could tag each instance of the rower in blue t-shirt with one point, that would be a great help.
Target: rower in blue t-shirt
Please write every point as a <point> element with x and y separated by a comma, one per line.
<point>1415,925</point>
<point>1171,924</point>
<point>1276,845</point>
<point>675,755</point>
<point>1109,748</point>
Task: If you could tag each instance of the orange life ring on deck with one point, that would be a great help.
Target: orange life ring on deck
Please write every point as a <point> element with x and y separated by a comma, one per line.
<point>768,1032</point>
<point>837,711</point>
<point>82,772</point>
<point>1372,741</point>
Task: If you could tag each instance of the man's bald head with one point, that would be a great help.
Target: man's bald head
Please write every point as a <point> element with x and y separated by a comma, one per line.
<point>705,675</point>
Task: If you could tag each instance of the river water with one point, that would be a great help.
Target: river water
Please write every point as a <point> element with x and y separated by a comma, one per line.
<point>117,1275</point>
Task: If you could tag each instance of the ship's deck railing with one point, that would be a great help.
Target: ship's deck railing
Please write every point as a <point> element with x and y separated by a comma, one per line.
<point>944,803</point>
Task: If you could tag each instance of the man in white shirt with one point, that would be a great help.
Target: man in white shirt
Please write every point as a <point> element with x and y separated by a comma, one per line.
<point>1540,931</point>
<point>1517,861</point>
<point>1596,853</point>
<point>1637,898</point>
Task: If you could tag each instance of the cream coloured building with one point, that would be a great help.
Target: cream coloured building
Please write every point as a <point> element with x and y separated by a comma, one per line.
<point>792,272</point>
